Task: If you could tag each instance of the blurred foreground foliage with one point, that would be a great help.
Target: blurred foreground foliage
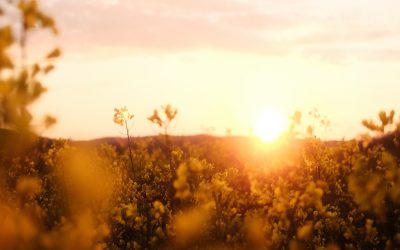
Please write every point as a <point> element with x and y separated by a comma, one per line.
<point>205,193</point>
<point>21,80</point>
<point>184,193</point>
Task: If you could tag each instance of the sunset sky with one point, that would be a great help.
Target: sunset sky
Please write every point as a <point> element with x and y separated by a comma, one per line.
<point>220,62</point>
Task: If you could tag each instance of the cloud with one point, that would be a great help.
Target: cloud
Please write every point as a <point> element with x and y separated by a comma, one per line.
<point>314,28</point>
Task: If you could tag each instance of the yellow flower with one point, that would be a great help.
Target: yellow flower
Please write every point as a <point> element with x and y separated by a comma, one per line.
<point>155,118</point>
<point>122,116</point>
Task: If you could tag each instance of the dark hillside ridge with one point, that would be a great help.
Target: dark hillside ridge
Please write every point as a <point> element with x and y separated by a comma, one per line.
<point>8,137</point>
<point>121,143</point>
<point>390,141</point>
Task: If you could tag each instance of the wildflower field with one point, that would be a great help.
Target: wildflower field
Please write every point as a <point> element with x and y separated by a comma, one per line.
<point>185,192</point>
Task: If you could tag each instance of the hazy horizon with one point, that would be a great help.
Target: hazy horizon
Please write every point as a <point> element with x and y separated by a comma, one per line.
<point>297,80</point>
<point>220,63</point>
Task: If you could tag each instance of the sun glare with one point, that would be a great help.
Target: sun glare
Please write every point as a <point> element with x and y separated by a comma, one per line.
<point>270,125</point>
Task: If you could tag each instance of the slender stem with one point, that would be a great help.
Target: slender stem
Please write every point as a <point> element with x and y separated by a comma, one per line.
<point>130,149</point>
<point>168,145</point>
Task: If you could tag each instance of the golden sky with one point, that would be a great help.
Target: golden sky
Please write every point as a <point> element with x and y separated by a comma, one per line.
<point>220,62</point>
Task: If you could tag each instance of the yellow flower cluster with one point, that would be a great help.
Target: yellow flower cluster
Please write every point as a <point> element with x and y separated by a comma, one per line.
<point>122,116</point>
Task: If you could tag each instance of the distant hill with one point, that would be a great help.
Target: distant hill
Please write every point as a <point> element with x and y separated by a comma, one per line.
<point>121,143</point>
<point>9,137</point>
<point>389,141</point>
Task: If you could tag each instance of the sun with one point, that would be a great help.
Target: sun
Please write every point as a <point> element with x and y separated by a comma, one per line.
<point>270,125</point>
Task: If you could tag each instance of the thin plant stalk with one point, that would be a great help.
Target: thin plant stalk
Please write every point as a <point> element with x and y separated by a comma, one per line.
<point>129,147</point>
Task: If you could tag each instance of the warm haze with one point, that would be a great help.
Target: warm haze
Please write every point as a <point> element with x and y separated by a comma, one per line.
<point>277,84</point>
<point>221,63</point>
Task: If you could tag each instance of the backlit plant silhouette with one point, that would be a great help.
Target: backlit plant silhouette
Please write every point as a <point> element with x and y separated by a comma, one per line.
<point>204,193</point>
<point>21,82</point>
<point>169,115</point>
<point>122,118</point>
<point>386,122</point>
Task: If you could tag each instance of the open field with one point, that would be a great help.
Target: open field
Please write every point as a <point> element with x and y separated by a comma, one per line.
<point>241,166</point>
